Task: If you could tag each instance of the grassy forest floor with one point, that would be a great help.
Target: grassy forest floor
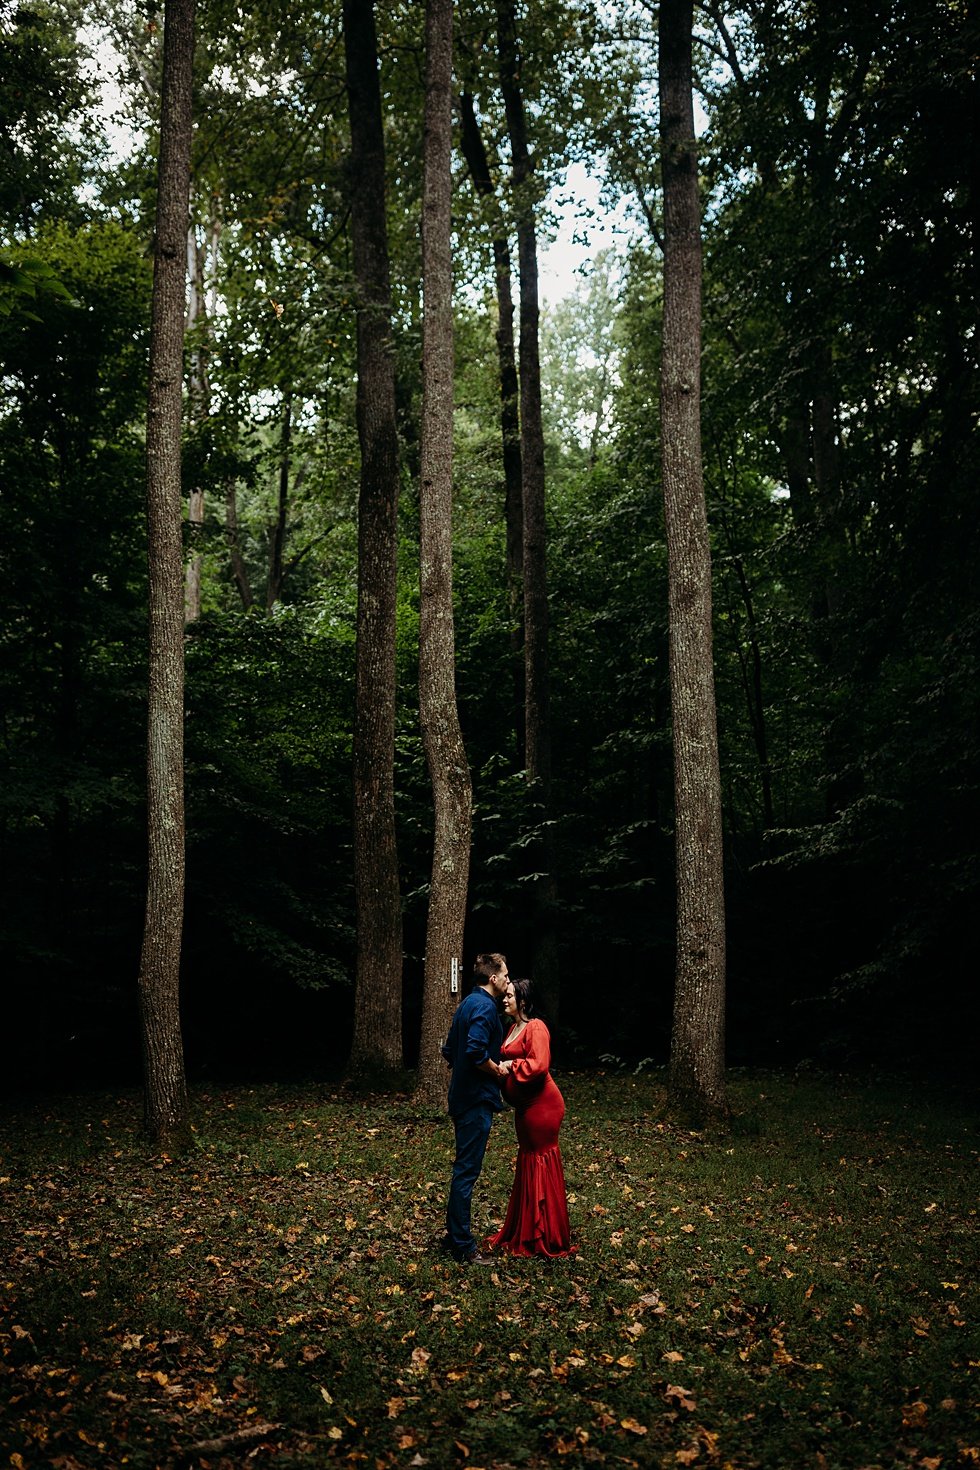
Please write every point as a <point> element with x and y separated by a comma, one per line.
<point>799,1292</point>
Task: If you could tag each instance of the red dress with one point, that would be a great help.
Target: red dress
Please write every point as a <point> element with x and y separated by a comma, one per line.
<point>537,1215</point>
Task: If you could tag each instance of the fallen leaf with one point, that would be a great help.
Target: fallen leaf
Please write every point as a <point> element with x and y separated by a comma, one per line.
<point>682,1395</point>
<point>633,1425</point>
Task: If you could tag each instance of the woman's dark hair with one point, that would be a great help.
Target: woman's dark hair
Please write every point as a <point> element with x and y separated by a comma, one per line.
<point>524,992</point>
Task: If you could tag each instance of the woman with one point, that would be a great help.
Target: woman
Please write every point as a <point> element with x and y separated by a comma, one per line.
<point>537,1216</point>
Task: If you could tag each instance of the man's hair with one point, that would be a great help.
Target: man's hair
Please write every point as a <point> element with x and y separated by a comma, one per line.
<point>487,965</point>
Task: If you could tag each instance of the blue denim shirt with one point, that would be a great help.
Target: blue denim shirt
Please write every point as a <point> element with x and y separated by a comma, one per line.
<point>475,1034</point>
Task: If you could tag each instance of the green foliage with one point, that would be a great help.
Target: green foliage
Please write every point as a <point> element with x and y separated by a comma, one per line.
<point>838,233</point>
<point>44,116</point>
<point>71,658</point>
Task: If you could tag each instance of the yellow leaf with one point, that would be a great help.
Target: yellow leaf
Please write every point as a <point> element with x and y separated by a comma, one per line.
<point>326,1395</point>
<point>633,1426</point>
<point>914,1414</point>
<point>334,1433</point>
<point>673,1357</point>
<point>687,1229</point>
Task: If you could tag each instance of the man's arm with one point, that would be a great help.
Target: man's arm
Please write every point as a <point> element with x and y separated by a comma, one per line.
<point>478,1047</point>
<point>494,1069</point>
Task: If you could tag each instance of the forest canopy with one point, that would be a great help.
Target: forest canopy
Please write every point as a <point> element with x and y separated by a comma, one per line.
<point>840,461</point>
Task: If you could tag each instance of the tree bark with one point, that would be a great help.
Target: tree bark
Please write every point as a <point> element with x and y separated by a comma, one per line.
<point>377,1039</point>
<point>274,586</point>
<point>510,423</point>
<point>238,568</point>
<point>536,675</point>
<point>199,408</point>
<point>441,735</point>
<point>697,1059</point>
<point>166,1112</point>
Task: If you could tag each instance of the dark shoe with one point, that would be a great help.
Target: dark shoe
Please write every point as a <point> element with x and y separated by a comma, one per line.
<point>478,1258</point>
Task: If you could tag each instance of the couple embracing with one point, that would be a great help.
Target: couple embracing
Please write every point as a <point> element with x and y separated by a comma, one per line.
<point>485,1063</point>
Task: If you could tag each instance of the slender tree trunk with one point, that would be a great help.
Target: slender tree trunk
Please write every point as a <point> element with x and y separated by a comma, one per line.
<point>536,678</point>
<point>441,736</point>
<point>238,568</point>
<point>510,423</point>
<point>697,1060</point>
<point>199,407</point>
<point>377,1040</point>
<point>274,587</point>
<point>756,701</point>
<point>166,1110</point>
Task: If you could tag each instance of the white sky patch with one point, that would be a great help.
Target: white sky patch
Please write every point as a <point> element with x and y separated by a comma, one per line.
<point>587,227</point>
<point>103,68</point>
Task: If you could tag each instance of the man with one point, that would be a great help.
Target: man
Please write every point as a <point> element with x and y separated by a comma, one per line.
<point>472,1050</point>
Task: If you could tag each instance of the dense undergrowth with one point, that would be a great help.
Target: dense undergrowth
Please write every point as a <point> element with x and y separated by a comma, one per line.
<point>799,1291</point>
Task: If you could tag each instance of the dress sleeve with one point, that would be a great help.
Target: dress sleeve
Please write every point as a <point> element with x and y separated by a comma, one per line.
<point>536,1060</point>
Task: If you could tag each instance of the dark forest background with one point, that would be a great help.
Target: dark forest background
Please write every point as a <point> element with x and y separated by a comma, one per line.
<point>839,164</point>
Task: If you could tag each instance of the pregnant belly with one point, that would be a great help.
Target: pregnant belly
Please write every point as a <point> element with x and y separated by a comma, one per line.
<point>538,1114</point>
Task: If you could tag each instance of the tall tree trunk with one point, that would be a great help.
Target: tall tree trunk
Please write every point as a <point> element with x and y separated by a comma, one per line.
<point>166,1110</point>
<point>238,568</point>
<point>510,422</point>
<point>536,690</point>
<point>377,1040</point>
<point>199,407</point>
<point>697,1056</point>
<point>274,586</point>
<point>441,736</point>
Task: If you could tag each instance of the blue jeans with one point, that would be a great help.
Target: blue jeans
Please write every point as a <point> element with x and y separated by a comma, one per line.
<point>472,1131</point>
